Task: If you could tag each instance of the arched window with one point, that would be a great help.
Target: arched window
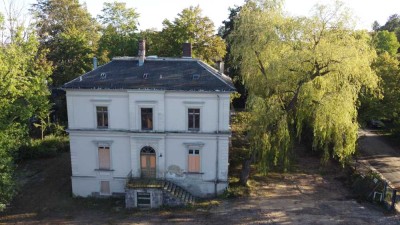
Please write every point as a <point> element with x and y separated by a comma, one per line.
<point>147,150</point>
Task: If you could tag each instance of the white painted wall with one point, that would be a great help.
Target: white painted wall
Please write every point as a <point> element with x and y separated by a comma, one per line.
<point>170,137</point>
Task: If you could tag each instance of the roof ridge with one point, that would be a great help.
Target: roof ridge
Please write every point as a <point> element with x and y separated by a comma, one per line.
<point>214,72</point>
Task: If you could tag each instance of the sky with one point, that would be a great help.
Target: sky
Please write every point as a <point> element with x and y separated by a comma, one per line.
<point>153,12</point>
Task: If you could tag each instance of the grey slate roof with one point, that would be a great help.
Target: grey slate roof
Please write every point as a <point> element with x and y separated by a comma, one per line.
<point>162,74</point>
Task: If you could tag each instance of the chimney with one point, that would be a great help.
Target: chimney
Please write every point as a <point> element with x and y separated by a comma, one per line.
<point>187,50</point>
<point>221,66</point>
<point>94,63</point>
<point>142,52</point>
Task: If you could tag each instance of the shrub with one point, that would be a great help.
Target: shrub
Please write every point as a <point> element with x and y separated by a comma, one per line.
<point>50,146</point>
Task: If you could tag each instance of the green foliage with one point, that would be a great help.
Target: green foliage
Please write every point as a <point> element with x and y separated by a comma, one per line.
<point>70,34</point>
<point>385,106</point>
<point>392,25</point>
<point>301,74</point>
<point>49,146</point>
<point>190,26</point>
<point>24,73</point>
<point>153,41</point>
<point>119,37</point>
<point>385,41</point>
<point>10,139</point>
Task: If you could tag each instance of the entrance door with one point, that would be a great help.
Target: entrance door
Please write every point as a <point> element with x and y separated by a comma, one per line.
<point>148,162</point>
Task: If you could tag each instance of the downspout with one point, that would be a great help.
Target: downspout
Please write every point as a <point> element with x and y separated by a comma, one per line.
<point>217,151</point>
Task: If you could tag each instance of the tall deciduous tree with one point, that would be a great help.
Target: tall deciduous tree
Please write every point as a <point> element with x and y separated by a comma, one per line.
<point>191,26</point>
<point>66,28</point>
<point>119,36</point>
<point>304,76</point>
<point>24,73</point>
<point>392,25</point>
<point>386,41</point>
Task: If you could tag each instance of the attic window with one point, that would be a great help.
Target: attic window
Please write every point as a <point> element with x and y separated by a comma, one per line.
<point>196,76</point>
<point>145,76</point>
<point>103,76</point>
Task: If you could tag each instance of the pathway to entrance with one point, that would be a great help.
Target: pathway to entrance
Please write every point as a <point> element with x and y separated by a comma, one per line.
<point>383,157</point>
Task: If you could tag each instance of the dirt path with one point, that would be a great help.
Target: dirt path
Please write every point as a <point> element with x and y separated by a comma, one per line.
<point>309,195</point>
<point>381,156</point>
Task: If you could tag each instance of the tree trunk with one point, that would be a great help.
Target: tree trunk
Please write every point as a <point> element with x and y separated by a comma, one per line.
<point>245,173</point>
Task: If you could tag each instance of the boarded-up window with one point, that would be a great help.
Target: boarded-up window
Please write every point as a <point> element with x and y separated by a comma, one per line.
<point>105,187</point>
<point>193,119</point>
<point>102,116</point>
<point>104,158</point>
<point>194,161</point>
<point>147,118</point>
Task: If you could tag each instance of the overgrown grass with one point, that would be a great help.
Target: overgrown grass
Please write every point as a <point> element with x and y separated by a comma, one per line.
<point>50,146</point>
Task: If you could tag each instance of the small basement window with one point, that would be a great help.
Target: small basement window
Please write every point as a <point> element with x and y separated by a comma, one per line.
<point>105,188</point>
<point>143,200</point>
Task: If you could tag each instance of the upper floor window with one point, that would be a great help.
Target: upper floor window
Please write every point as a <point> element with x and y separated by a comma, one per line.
<point>102,116</point>
<point>194,119</point>
<point>147,118</point>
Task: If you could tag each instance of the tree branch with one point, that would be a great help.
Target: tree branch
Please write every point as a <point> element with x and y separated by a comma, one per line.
<point>260,64</point>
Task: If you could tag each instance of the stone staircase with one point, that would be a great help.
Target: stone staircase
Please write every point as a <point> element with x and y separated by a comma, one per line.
<point>173,192</point>
<point>178,192</point>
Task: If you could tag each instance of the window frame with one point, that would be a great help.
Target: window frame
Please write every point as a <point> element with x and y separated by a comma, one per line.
<point>137,125</point>
<point>97,118</point>
<point>194,105</point>
<point>195,146</point>
<point>141,118</point>
<point>103,143</point>
<point>98,157</point>
<point>193,115</point>
<point>194,150</point>
<point>109,188</point>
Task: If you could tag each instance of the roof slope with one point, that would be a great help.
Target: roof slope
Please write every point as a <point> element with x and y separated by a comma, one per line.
<point>162,74</point>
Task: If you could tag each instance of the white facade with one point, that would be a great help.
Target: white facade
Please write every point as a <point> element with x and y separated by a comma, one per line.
<point>170,138</point>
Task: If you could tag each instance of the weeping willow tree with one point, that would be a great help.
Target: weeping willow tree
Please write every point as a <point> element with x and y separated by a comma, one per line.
<point>302,74</point>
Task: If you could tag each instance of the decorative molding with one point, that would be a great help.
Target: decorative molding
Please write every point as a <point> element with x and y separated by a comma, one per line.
<point>194,144</point>
<point>101,100</point>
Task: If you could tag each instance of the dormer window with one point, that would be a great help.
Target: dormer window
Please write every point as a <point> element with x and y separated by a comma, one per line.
<point>145,76</point>
<point>196,76</point>
<point>103,76</point>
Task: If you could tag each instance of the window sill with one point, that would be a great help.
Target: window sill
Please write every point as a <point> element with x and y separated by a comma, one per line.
<point>193,130</point>
<point>193,173</point>
<point>102,128</point>
<point>104,170</point>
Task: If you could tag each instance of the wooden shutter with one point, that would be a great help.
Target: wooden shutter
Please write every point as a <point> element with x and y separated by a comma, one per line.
<point>104,158</point>
<point>194,161</point>
<point>152,162</point>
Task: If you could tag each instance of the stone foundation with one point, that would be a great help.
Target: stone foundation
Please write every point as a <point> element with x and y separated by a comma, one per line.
<point>158,198</point>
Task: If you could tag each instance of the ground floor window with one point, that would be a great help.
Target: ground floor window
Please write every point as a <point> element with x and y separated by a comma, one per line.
<point>105,187</point>
<point>194,161</point>
<point>143,200</point>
